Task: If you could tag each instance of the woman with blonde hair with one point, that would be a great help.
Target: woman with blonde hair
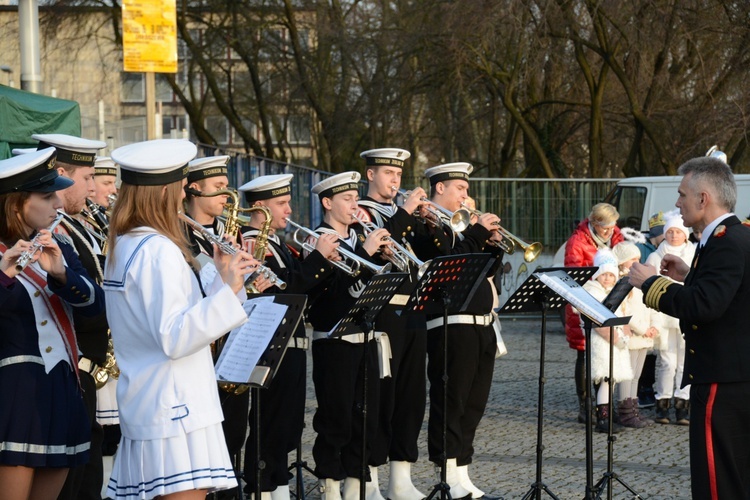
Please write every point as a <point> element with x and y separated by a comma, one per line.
<point>597,231</point>
<point>163,323</point>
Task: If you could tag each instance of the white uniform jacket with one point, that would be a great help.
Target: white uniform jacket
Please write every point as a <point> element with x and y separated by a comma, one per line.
<point>162,328</point>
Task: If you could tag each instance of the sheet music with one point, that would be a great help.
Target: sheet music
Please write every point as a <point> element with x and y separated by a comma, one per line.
<point>567,288</point>
<point>246,344</point>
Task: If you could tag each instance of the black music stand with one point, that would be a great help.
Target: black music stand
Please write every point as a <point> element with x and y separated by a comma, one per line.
<point>361,318</point>
<point>535,296</point>
<point>591,312</point>
<point>269,362</point>
<point>612,301</point>
<point>447,285</point>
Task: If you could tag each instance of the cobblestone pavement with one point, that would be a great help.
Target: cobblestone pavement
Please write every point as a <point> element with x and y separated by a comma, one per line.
<point>653,461</point>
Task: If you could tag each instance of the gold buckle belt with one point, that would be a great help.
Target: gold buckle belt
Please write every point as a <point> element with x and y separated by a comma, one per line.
<point>462,319</point>
<point>299,343</point>
<point>399,300</point>
<point>86,365</point>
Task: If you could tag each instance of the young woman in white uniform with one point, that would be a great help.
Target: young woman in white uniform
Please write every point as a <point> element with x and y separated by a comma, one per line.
<point>162,326</point>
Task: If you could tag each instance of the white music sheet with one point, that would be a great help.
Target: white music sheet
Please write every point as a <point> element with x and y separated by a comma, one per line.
<point>246,344</point>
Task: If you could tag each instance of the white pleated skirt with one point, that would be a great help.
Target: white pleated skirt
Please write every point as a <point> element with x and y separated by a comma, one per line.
<point>195,461</point>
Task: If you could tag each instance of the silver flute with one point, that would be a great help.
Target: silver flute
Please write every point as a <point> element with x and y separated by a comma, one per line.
<point>229,249</point>
<point>24,259</point>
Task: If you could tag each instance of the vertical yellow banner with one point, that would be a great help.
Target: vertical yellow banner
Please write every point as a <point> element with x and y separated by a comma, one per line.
<point>149,36</point>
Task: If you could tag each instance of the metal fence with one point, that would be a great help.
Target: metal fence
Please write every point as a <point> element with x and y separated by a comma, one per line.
<point>533,209</point>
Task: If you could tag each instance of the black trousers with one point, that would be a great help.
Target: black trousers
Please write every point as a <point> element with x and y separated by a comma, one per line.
<point>403,395</point>
<point>471,363</point>
<point>338,369</point>
<point>720,440</point>
<point>282,418</point>
<point>85,482</point>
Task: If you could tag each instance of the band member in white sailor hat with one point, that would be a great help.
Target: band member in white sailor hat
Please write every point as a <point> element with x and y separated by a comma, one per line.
<point>337,362</point>
<point>472,341</point>
<point>283,403</point>
<point>46,431</point>
<point>76,157</point>
<point>162,326</point>
<point>403,395</point>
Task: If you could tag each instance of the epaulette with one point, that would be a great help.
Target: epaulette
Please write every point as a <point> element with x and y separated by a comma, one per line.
<point>656,290</point>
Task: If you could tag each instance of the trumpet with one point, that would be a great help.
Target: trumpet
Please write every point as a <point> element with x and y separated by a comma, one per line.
<point>458,221</point>
<point>228,248</point>
<point>510,241</point>
<point>402,256</point>
<point>24,259</point>
<point>355,262</point>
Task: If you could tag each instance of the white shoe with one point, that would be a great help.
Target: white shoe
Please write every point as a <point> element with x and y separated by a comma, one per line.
<point>400,486</point>
<point>280,493</point>
<point>453,480</point>
<point>330,489</point>
<point>372,488</point>
<point>463,476</point>
<point>351,489</point>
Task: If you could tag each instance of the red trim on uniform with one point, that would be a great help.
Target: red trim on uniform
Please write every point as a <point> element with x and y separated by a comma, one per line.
<point>710,443</point>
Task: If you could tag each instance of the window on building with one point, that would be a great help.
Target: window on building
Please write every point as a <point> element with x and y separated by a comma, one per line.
<point>218,127</point>
<point>298,130</point>
<point>133,87</point>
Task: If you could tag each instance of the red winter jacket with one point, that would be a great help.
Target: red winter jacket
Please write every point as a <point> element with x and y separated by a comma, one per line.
<point>579,252</point>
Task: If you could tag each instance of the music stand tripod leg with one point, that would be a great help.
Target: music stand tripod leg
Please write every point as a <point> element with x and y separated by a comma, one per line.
<point>299,466</point>
<point>610,475</point>
<point>538,486</point>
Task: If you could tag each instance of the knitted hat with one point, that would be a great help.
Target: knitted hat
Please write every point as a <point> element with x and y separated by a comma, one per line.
<point>656,225</point>
<point>625,251</point>
<point>606,261</point>
<point>675,221</point>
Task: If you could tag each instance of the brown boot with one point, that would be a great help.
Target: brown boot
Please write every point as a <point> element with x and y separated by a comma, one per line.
<point>662,411</point>
<point>629,415</point>
<point>640,415</point>
<point>682,411</point>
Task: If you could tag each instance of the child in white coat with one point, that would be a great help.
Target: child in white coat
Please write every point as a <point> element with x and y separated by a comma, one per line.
<point>599,286</point>
<point>670,345</point>
<point>643,328</point>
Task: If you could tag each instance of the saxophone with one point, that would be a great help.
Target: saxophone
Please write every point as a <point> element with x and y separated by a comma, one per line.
<point>232,222</point>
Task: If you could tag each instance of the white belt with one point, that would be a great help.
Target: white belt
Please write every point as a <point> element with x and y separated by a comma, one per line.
<point>399,299</point>
<point>384,347</point>
<point>299,343</point>
<point>462,319</point>
<point>86,365</point>
<point>12,360</point>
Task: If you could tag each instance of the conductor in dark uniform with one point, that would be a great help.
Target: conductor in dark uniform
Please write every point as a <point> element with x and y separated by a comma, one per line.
<point>713,306</point>
<point>283,403</point>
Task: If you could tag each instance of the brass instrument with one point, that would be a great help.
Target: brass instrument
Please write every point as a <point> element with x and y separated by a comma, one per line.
<point>97,218</point>
<point>714,152</point>
<point>355,262</point>
<point>24,259</point>
<point>109,369</point>
<point>402,256</point>
<point>458,221</point>
<point>228,248</point>
<point>510,241</point>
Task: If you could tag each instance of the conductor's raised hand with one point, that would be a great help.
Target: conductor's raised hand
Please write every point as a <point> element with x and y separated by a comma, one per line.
<point>674,267</point>
<point>640,273</point>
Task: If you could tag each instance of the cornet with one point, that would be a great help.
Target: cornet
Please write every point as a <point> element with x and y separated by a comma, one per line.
<point>510,241</point>
<point>355,262</point>
<point>401,255</point>
<point>458,221</point>
<point>228,248</point>
<point>24,259</point>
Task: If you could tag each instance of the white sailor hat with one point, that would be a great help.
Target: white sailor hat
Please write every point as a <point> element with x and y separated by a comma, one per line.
<point>345,181</point>
<point>71,149</point>
<point>385,156</point>
<point>32,172</point>
<point>154,163</point>
<point>22,151</point>
<point>448,171</point>
<point>266,187</point>
<point>210,166</point>
<point>104,165</point>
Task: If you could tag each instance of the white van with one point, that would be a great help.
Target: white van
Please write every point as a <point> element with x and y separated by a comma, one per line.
<point>637,198</point>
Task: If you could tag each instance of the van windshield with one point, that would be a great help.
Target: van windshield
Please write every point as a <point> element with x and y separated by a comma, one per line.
<point>629,201</point>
